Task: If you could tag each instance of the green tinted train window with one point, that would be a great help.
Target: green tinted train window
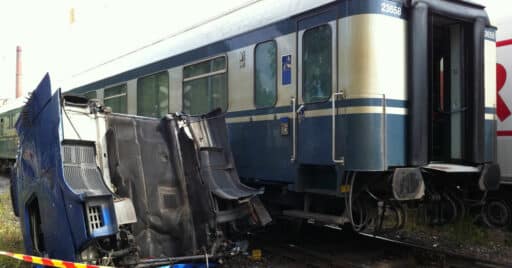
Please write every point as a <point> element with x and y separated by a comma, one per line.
<point>91,95</point>
<point>205,86</point>
<point>153,95</point>
<point>16,116</point>
<point>5,122</point>
<point>115,98</point>
<point>265,79</point>
<point>317,64</point>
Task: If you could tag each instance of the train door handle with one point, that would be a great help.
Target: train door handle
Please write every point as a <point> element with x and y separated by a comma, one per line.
<point>294,129</point>
<point>335,95</point>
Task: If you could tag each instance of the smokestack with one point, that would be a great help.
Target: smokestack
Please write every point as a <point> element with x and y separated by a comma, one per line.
<point>19,91</point>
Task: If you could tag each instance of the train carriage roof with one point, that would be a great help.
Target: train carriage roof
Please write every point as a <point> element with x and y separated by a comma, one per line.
<point>12,104</point>
<point>253,15</point>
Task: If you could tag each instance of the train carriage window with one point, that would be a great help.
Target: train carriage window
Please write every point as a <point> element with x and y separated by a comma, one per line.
<point>205,86</point>
<point>5,123</point>
<point>153,95</point>
<point>115,98</point>
<point>265,78</point>
<point>15,118</point>
<point>91,95</point>
<point>317,64</point>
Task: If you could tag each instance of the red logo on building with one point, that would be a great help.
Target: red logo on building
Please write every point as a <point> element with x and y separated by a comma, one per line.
<point>502,110</point>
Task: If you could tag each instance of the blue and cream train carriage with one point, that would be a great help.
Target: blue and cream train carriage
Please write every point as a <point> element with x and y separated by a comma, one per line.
<point>374,100</point>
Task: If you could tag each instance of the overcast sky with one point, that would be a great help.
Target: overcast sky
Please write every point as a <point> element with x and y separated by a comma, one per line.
<point>103,29</point>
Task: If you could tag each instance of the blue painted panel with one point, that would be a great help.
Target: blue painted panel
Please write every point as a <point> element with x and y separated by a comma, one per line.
<point>490,141</point>
<point>315,141</point>
<point>41,176</point>
<point>286,77</point>
<point>41,172</point>
<point>490,110</point>
<point>364,142</point>
<point>323,17</point>
<point>396,139</point>
<point>391,8</point>
<point>260,152</point>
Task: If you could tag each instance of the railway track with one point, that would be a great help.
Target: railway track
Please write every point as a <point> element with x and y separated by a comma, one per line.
<point>443,257</point>
<point>323,247</point>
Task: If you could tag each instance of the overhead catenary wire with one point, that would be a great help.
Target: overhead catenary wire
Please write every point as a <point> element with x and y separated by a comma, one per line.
<point>194,26</point>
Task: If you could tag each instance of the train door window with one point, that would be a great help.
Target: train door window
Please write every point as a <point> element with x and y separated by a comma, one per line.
<point>317,64</point>
<point>153,95</point>
<point>265,78</point>
<point>91,95</point>
<point>115,98</point>
<point>205,86</point>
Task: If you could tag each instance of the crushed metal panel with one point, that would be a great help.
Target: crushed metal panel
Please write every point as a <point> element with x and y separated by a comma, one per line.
<point>209,133</point>
<point>80,169</point>
<point>144,170</point>
<point>39,176</point>
<point>172,195</point>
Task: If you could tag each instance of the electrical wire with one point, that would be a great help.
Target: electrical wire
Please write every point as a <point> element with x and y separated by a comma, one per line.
<point>363,219</point>
<point>71,123</point>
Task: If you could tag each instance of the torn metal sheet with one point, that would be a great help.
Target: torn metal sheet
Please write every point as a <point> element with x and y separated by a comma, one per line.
<point>101,188</point>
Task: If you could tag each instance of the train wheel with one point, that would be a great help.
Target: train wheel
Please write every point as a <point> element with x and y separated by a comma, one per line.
<point>449,209</point>
<point>442,208</point>
<point>496,213</point>
<point>460,206</point>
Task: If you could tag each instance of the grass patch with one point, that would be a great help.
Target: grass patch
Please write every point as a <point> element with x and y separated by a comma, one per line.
<point>467,232</point>
<point>463,231</point>
<point>10,233</point>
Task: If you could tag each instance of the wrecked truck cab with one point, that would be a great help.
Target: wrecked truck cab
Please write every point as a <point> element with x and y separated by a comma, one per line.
<point>111,189</point>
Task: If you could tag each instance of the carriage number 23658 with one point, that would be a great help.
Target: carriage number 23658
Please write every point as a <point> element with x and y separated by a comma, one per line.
<point>391,9</point>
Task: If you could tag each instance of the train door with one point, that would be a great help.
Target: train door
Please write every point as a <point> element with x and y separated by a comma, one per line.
<point>316,83</point>
<point>446,87</point>
<point>449,107</point>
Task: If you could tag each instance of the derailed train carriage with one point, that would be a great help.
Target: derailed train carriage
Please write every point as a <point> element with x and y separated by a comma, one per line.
<point>122,190</point>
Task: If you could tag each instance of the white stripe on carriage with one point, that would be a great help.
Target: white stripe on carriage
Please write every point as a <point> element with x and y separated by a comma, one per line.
<point>490,116</point>
<point>320,113</point>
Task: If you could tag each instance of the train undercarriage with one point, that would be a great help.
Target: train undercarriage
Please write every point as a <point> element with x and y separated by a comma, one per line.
<point>368,203</point>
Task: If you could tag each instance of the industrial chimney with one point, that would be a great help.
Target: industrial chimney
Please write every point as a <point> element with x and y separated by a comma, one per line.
<point>19,91</point>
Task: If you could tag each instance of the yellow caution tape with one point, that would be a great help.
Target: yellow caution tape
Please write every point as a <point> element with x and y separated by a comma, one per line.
<point>49,262</point>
